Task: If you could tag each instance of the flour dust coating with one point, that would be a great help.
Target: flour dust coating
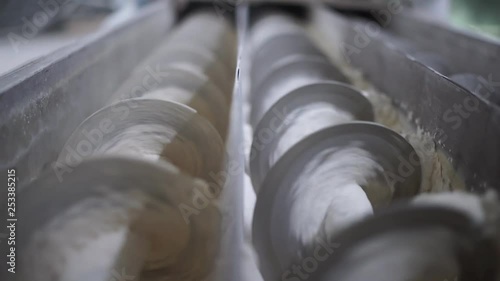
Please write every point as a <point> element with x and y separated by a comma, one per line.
<point>138,182</point>
<point>439,175</point>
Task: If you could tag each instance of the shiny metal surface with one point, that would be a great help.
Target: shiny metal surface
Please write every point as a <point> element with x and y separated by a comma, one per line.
<point>124,208</point>
<point>433,61</point>
<point>272,218</point>
<point>343,104</point>
<point>288,77</point>
<point>150,129</point>
<point>477,85</point>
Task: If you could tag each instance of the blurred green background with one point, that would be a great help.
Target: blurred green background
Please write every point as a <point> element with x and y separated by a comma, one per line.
<point>477,15</point>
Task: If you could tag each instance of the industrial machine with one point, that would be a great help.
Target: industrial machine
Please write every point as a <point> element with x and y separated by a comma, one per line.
<point>248,140</point>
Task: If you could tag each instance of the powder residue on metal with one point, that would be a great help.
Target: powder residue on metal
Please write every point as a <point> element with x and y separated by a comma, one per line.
<point>438,173</point>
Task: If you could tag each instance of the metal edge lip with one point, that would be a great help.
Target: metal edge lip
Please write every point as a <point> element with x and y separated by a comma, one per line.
<point>493,101</point>
<point>401,216</point>
<point>328,92</point>
<point>271,185</point>
<point>419,56</point>
<point>177,110</point>
<point>431,60</point>
<point>413,57</point>
<point>445,37</point>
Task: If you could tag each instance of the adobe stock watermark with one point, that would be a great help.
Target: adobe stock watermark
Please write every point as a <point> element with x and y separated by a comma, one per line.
<point>365,33</point>
<point>32,26</point>
<point>405,168</point>
<point>322,250</point>
<point>93,138</point>
<point>206,194</point>
<point>460,112</point>
<point>265,136</point>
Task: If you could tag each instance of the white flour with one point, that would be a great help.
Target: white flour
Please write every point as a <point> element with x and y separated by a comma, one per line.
<point>304,121</point>
<point>438,174</point>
